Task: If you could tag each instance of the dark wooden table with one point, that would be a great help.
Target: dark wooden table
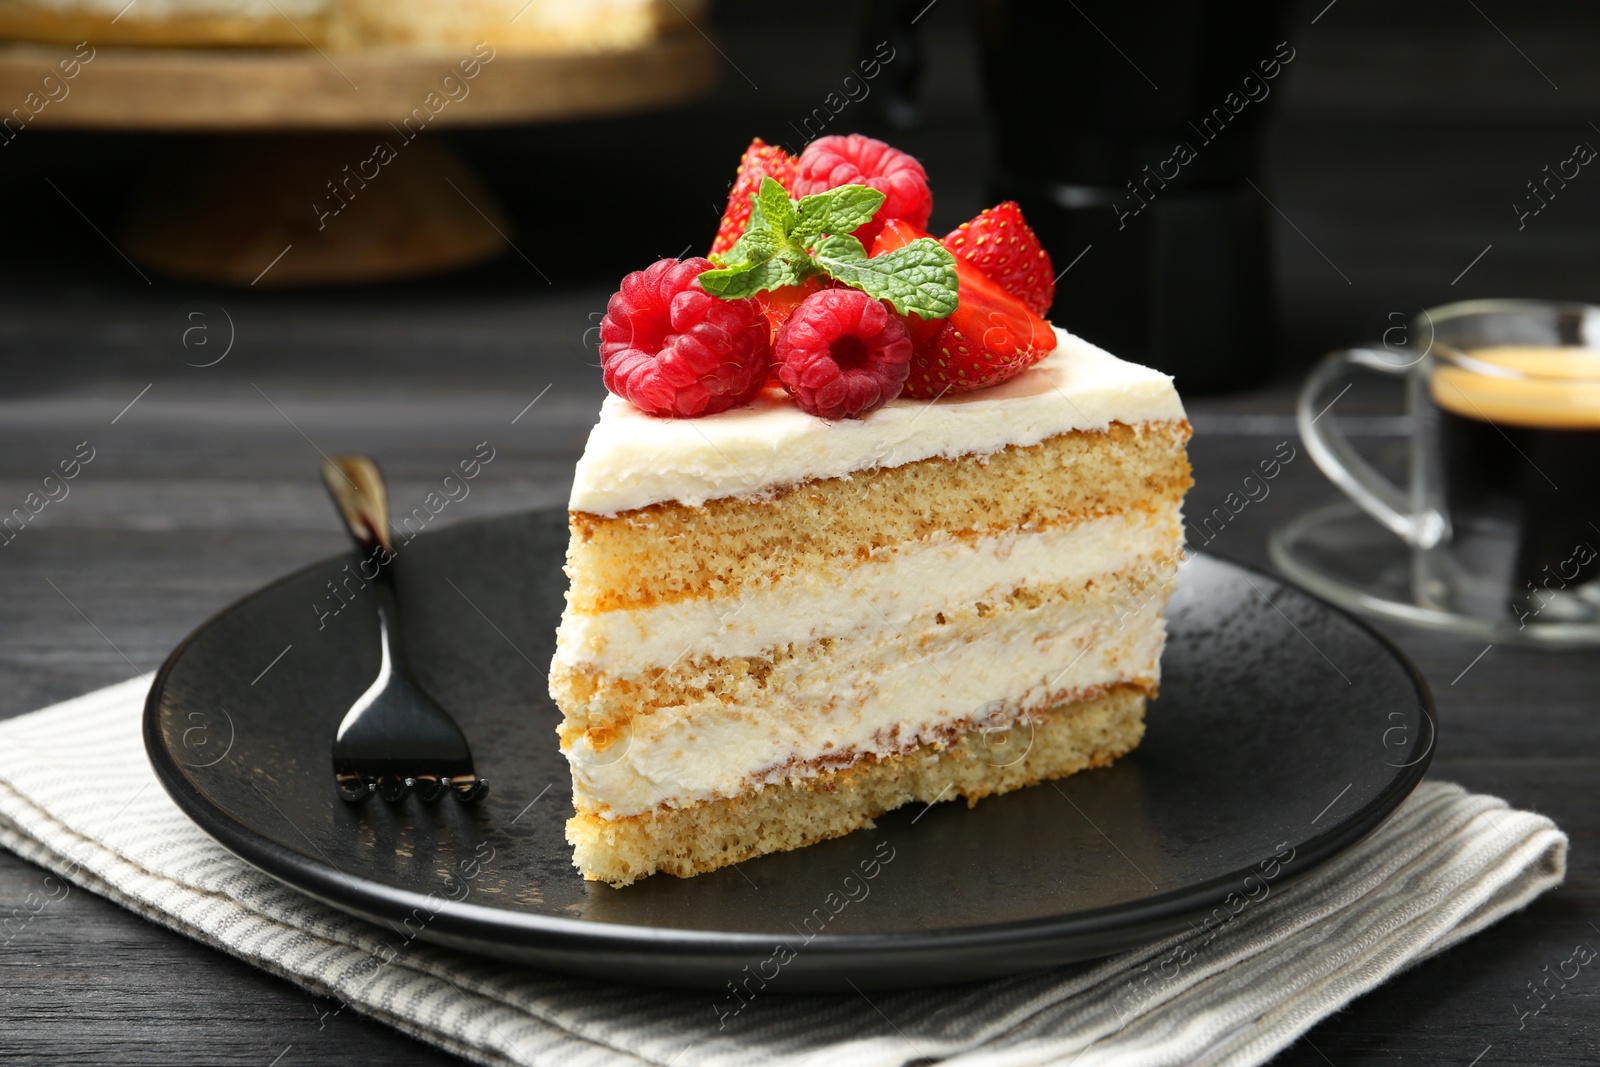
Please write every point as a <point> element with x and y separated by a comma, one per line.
<point>206,486</point>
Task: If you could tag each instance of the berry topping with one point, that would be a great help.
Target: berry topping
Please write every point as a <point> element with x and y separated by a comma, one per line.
<point>670,348</point>
<point>789,243</point>
<point>952,363</point>
<point>759,160</point>
<point>842,354</point>
<point>1003,246</point>
<point>778,304</point>
<point>990,337</point>
<point>829,162</point>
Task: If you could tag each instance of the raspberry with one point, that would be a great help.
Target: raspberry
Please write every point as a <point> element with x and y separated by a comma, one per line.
<point>670,348</point>
<point>842,354</point>
<point>829,162</point>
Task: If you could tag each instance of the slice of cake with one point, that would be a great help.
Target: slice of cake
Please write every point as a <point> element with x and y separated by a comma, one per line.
<point>950,584</point>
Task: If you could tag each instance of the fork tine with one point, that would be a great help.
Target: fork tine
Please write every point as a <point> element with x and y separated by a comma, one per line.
<point>469,788</point>
<point>394,788</point>
<point>355,787</point>
<point>430,787</point>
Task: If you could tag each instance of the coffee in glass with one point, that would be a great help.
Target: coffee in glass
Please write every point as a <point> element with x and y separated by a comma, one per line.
<point>1503,510</point>
<point>1519,455</point>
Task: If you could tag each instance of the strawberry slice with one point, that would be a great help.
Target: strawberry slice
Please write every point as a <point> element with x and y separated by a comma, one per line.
<point>778,304</point>
<point>1003,246</point>
<point>990,337</point>
<point>760,160</point>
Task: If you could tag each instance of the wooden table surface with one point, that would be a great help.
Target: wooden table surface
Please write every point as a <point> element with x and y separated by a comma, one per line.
<point>206,487</point>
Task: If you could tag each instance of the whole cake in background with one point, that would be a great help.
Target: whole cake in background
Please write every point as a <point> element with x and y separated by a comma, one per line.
<point>856,528</point>
<point>543,25</point>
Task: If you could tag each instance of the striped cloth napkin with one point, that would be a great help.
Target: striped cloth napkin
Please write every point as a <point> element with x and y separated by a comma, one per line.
<point>77,796</point>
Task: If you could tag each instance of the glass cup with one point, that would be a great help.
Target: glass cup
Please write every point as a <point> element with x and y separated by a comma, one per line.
<point>1502,512</point>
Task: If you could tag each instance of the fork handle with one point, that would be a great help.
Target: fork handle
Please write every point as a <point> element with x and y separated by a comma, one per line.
<point>358,492</point>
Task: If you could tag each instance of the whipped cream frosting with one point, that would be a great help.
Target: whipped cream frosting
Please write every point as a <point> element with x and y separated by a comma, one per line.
<point>633,459</point>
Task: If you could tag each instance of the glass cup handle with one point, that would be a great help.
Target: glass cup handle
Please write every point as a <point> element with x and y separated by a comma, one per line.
<point>1332,451</point>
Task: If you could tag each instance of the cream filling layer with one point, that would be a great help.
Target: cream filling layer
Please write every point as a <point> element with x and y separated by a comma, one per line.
<point>633,459</point>
<point>891,587</point>
<point>681,755</point>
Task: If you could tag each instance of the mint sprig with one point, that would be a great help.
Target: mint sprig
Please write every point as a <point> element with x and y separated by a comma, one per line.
<point>841,210</point>
<point>788,241</point>
<point>919,279</point>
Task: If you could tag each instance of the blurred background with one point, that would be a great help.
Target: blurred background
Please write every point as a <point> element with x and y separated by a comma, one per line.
<point>1392,149</point>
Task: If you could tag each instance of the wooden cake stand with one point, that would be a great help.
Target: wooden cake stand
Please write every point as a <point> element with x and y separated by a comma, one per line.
<point>316,168</point>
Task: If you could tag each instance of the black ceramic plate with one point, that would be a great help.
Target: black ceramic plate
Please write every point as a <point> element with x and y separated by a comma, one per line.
<point>1285,731</point>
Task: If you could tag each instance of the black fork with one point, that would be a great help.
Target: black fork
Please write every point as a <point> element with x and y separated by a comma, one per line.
<point>395,737</point>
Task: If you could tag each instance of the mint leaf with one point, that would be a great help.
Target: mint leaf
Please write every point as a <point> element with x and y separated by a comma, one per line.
<point>764,257</point>
<point>755,247</point>
<point>771,208</point>
<point>771,215</point>
<point>919,279</point>
<point>731,283</point>
<point>837,211</point>
<point>785,243</point>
